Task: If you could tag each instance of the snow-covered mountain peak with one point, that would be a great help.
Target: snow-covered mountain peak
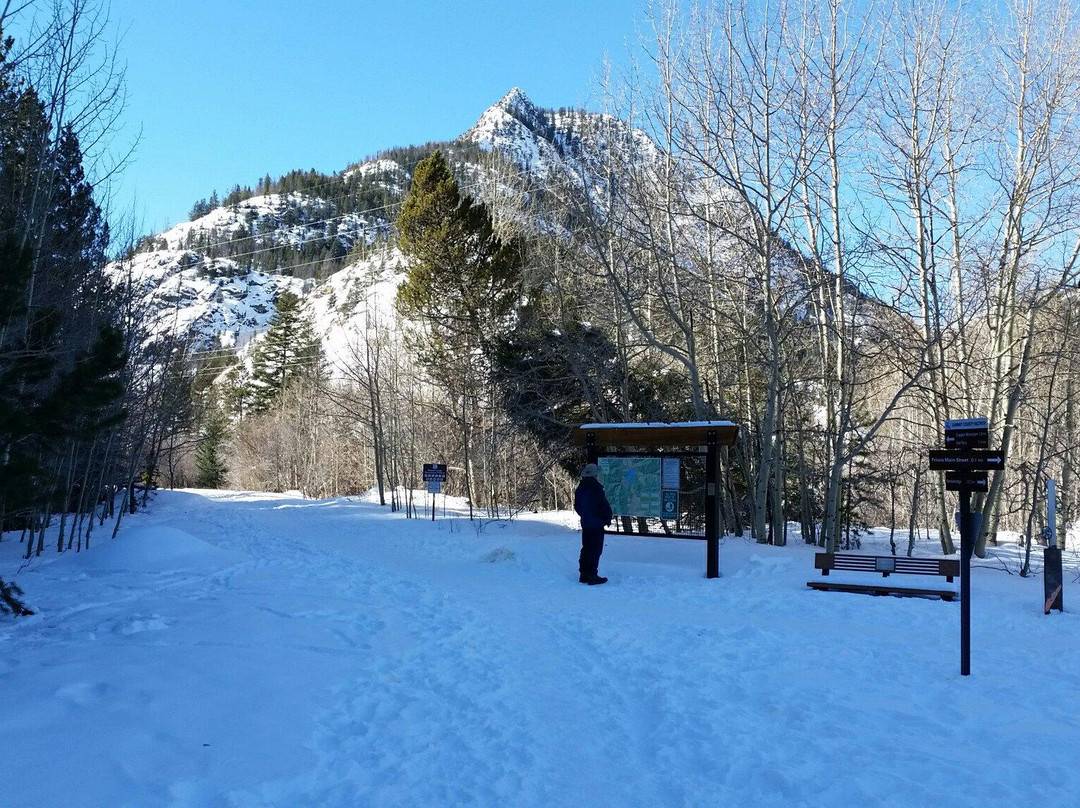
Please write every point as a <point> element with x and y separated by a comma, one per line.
<point>518,105</point>
<point>522,132</point>
<point>216,277</point>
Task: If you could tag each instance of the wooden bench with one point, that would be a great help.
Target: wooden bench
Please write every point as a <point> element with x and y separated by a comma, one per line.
<point>948,568</point>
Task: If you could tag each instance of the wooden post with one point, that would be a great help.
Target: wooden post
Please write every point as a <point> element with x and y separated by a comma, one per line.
<point>712,515</point>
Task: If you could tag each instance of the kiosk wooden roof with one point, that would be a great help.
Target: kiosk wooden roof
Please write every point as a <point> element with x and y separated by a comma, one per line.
<point>655,435</point>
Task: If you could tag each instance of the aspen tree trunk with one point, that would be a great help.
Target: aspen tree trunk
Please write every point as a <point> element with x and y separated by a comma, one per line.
<point>1067,494</point>
<point>992,505</point>
<point>913,518</point>
<point>67,497</point>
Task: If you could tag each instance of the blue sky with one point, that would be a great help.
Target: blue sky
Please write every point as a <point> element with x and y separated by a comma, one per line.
<point>227,91</point>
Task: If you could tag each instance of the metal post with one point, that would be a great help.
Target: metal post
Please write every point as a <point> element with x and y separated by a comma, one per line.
<point>1053,577</point>
<point>712,520</point>
<point>967,549</point>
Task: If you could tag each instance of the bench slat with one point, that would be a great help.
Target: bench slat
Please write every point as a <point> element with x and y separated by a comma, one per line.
<point>882,589</point>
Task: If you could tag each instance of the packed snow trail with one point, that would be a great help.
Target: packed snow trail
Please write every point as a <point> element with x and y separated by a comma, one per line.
<point>247,650</point>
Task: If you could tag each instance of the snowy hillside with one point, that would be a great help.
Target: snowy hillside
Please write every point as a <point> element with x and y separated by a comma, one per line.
<point>215,276</point>
<point>265,651</point>
<point>217,302</point>
<point>354,305</point>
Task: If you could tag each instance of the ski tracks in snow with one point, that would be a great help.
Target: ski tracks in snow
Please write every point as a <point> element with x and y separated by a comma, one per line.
<point>429,696</point>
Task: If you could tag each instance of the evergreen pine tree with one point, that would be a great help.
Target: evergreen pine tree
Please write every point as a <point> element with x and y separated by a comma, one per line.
<point>462,280</point>
<point>289,350</point>
<point>210,469</point>
<point>199,209</point>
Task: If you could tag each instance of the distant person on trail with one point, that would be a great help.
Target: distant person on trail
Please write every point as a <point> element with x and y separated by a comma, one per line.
<point>591,504</point>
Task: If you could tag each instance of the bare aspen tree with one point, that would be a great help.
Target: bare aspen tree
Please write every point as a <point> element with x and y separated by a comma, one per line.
<point>1034,173</point>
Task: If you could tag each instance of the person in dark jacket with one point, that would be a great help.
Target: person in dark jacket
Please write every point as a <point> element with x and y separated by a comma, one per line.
<point>591,504</point>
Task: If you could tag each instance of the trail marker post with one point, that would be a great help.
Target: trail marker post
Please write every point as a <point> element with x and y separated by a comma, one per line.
<point>434,476</point>
<point>1053,576</point>
<point>966,459</point>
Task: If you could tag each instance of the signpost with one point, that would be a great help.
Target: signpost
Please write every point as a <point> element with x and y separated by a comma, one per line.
<point>434,476</point>
<point>1052,572</point>
<point>966,460</point>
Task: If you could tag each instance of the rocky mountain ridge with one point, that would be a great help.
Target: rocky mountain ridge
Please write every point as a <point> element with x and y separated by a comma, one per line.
<point>214,279</point>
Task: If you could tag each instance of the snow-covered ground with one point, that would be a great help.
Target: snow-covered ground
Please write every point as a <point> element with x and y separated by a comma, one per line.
<point>232,649</point>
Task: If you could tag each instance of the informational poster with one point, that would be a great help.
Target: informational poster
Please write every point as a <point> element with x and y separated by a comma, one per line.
<point>633,485</point>
<point>670,481</point>
<point>434,472</point>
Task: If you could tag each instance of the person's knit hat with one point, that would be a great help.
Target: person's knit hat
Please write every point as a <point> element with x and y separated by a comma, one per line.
<point>590,470</point>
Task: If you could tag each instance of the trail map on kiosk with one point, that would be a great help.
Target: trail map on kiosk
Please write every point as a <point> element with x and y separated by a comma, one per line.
<point>632,485</point>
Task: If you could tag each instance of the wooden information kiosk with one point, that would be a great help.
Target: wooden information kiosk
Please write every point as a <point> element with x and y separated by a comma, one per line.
<point>688,439</point>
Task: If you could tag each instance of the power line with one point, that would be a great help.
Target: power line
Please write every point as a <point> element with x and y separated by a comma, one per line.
<point>286,194</point>
<point>355,231</point>
<point>408,169</point>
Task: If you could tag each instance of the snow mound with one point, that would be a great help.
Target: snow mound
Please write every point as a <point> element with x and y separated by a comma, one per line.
<point>499,554</point>
<point>158,549</point>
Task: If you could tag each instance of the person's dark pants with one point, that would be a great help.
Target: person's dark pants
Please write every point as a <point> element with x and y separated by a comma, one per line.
<point>592,545</point>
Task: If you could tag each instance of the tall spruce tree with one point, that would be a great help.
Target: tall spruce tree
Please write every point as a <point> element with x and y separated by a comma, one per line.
<point>210,468</point>
<point>461,278</point>
<point>462,282</point>
<point>288,351</point>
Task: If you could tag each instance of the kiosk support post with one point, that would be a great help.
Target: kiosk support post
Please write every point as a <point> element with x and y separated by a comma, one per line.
<point>712,516</point>
<point>1053,577</point>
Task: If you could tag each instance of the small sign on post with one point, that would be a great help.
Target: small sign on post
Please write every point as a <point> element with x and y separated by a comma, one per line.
<point>967,433</point>
<point>434,475</point>
<point>434,472</point>
<point>966,459</point>
<point>967,481</point>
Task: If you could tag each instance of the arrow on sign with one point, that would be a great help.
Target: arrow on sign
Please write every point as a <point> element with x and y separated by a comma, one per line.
<point>967,439</point>
<point>966,481</point>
